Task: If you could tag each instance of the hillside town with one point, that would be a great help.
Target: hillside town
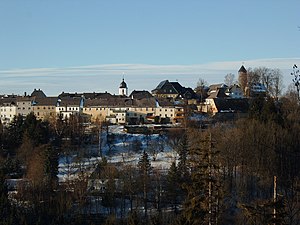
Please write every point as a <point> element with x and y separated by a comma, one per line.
<point>225,153</point>
<point>169,102</point>
<point>149,112</point>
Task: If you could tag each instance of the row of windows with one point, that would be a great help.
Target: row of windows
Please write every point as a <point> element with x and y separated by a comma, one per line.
<point>69,108</point>
<point>166,110</point>
<point>133,109</point>
<point>4,110</point>
<point>45,107</point>
<point>166,115</point>
<point>5,115</point>
<point>24,108</point>
<point>92,108</point>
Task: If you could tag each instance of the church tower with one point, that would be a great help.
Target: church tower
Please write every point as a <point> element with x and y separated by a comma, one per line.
<point>123,90</point>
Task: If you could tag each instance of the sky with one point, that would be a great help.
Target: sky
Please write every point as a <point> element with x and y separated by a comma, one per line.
<point>87,45</point>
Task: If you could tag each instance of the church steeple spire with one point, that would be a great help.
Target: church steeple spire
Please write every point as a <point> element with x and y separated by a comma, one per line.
<point>123,90</point>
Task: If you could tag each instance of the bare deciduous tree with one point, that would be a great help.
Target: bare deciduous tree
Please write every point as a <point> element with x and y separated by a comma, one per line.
<point>229,79</point>
<point>200,89</point>
<point>296,79</point>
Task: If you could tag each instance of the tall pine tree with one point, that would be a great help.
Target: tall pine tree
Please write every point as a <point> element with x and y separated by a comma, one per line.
<point>204,192</point>
<point>144,172</point>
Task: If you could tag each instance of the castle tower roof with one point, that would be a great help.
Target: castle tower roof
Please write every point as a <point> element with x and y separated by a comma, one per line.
<point>242,69</point>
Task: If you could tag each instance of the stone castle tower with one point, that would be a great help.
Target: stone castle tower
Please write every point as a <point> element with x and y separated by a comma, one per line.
<point>243,79</point>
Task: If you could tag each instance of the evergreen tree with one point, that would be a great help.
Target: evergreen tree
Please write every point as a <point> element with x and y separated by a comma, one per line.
<point>204,193</point>
<point>4,202</point>
<point>144,166</point>
<point>173,186</point>
<point>51,164</point>
<point>183,168</point>
<point>15,132</point>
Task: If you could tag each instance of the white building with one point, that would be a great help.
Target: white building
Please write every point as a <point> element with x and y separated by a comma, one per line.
<point>8,110</point>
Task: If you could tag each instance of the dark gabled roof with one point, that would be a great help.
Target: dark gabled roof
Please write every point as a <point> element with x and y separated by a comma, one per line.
<point>87,95</point>
<point>66,101</point>
<point>161,84</point>
<point>164,102</point>
<point>232,88</point>
<point>107,102</point>
<point>233,105</point>
<point>177,86</point>
<point>189,93</point>
<point>242,69</point>
<point>96,95</point>
<point>166,87</point>
<point>216,86</point>
<point>48,101</point>
<point>70,95</point>
<point>120,102</point>
<point>24,98</point>
<point>5,101</point>
<point>219,93</point>
<point>140,94</point>
<point>38,93</point>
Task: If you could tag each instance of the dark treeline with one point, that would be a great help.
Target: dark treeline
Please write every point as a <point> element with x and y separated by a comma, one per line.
<point>222,175</point>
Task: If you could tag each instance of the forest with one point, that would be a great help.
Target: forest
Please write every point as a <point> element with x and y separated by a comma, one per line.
<point>244,171</point>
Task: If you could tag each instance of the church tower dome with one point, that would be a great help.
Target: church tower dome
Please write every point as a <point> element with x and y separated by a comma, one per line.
<point>123,90</point>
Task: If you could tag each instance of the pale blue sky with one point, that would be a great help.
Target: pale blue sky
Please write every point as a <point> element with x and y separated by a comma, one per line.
<point>62,34</point>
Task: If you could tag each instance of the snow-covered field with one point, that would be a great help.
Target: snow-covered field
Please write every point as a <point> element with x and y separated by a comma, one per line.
<point>121,148</point>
